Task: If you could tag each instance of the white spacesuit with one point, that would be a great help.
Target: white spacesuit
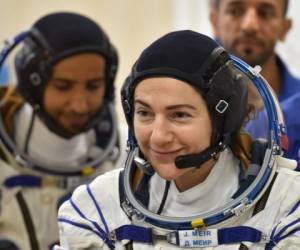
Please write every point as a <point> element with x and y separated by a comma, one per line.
<point>256,207</point>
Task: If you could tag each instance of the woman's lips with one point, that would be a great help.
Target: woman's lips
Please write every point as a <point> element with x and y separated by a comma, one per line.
<point>160,154</point>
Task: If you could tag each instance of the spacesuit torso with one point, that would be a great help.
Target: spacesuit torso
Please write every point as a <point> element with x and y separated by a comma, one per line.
<point>30,198</point>
<point>78,218</point>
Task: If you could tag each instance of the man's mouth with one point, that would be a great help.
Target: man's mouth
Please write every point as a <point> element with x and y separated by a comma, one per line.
<point>77,121</point>
<point>249,42</point>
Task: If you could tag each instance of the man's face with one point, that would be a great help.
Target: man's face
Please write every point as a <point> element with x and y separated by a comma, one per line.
<point>250,28</point>
<point>75,91</point>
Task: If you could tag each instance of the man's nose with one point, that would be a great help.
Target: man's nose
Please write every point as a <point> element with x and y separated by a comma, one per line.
<point>79,102</point>
<point>250,22</point>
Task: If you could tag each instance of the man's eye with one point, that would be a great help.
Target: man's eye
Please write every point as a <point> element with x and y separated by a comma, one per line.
<point>266,13</point>
<point>62,86</point>
<point>235,12</point>
<point>95,85</point>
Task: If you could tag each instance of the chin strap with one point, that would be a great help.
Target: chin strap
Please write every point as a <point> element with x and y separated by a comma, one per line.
<point>196,160</point>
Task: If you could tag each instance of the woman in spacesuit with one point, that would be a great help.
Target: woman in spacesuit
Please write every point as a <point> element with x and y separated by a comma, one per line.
<point>193,178</point>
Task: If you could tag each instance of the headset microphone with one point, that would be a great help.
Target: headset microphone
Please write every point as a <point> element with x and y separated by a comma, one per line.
<point>196,160</point>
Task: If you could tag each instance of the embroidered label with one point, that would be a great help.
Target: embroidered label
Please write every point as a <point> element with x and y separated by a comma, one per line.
<point>198,238</point>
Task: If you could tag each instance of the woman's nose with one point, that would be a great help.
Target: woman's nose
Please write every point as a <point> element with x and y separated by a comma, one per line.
<point>162,132</point>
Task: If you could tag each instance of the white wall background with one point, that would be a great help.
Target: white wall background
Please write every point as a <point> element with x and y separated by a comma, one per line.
<point>133,24</point>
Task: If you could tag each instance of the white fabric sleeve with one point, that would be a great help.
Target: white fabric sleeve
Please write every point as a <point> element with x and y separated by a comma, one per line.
<point>77,229</point>
<point>286,232</point>
<point>73,237</point>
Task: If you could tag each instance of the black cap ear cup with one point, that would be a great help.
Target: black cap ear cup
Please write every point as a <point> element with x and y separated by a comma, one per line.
<point>32,68</point>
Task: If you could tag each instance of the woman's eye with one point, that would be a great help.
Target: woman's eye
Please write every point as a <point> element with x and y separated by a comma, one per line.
<point>142,113</point>
<point>181,115</point>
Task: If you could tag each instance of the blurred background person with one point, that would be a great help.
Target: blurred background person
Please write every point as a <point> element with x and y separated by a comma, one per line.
<point>4,75</point>
<point>58,124</point>
<point>290,109</point>
<point>250,30</point>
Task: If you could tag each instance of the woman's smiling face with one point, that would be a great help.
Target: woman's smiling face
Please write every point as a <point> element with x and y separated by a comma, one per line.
<point>170,119</point>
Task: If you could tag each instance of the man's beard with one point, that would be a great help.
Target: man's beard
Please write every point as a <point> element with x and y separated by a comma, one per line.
<point>254,58</point>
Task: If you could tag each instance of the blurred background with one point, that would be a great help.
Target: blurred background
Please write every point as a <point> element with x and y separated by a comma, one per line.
<point>132,25</point>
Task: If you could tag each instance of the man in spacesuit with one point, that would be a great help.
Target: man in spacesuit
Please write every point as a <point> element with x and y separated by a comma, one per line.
<point>58,124</point>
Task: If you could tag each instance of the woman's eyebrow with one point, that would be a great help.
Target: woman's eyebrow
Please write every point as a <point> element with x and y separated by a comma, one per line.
<point>171,107</point>
<point>138,101</point>
<point>177,106</point>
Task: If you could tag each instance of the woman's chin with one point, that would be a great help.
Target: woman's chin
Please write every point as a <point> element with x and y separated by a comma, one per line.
<point>168,175</point>
<point>167,178</point>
